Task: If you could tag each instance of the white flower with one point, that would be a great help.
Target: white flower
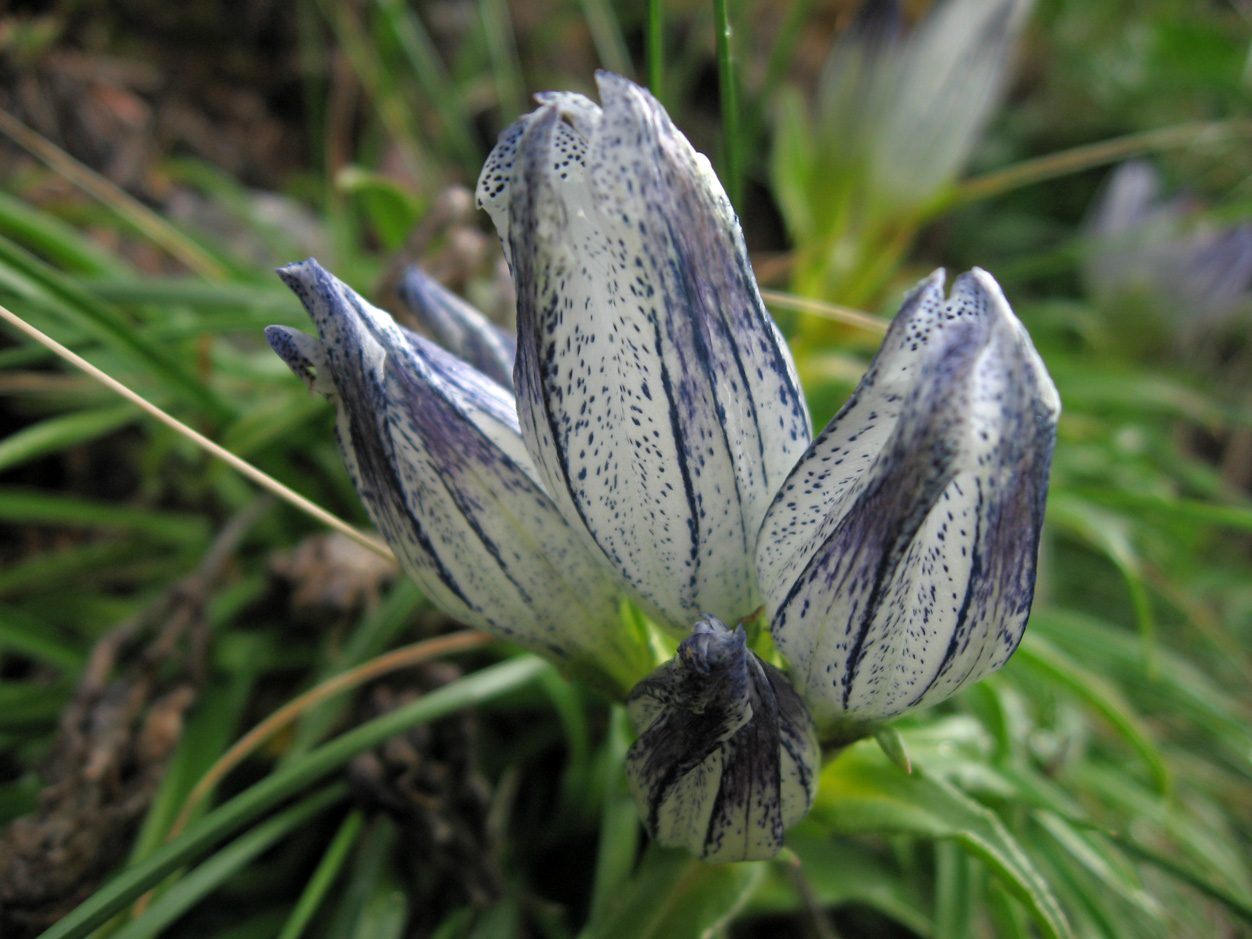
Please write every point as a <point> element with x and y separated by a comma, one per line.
<point>727,755</point>
<point>1162,256</point>
<point>660,445</point>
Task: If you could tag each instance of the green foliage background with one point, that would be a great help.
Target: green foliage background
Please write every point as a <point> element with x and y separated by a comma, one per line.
<point>1100,786</point>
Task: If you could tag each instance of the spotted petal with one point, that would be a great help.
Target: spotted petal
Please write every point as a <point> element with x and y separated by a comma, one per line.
<point>727,755</point>
<point>434,450</point>
<point>898,560</point>
<point>458,327</point>
<point>656,396</point>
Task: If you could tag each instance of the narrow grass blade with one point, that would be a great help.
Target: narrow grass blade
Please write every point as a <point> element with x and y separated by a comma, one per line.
<point>219,824</point>
<point>53,508</point>
<point>1101,696</point>
<point>506,68</point>
<point>247,469</point>
<point>1236,517</point>
<point>127,207</point>
<point>606,36</point>
<point>54,239</point>
<point>420,52</point>
<point>210,875</point>
<point>324,877</point>
<point>861,793</point>
<point>1102,153</point>
<point>26,634</point>
<point>59,433</point>
<point>36,282</point>
<point>619,821</point>
<point>656,49</point>
<point>392,109</point>
<point>37,573</point>
<point>284,716</point>
<point>727,84</point>
<point>257,301</point>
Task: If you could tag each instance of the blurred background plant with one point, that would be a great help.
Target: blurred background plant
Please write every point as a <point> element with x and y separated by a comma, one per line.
<point>158,160</point>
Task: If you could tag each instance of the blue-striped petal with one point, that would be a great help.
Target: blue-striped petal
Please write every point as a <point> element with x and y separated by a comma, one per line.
<point>434,450</point>
<point>727,755</point>
<point>656,396</point>
<point>458,327</point>
<point>898,560</point>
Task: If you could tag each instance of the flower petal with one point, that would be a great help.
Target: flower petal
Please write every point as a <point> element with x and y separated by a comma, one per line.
<point>656,396</point>
<point>434,450</point>
<point>898,560</point>
<point>458,327</point>
<point>727,756</point>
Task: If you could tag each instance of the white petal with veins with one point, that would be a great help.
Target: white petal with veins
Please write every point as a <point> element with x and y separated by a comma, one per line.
<point>656,396</point>
<point>898,560</point>
<point>434,450</point>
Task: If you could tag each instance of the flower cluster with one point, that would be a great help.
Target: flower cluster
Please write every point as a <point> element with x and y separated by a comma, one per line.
<point>651,441</point>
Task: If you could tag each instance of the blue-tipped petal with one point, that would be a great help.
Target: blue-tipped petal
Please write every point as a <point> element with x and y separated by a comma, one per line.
<point>727,755</point>
<point>434,450</point>
<point>656,396</point>
<point>458,327</point>
<point>898,560</point>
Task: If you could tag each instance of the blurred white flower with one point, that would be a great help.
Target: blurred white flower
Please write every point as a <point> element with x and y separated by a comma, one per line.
<point>1194,274</point>
<point>896,116</point>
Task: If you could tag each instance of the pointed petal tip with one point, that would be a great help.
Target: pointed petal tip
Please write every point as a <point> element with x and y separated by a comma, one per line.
<point>341,315</point>
<point>610,79</point>
<point>621,95</point>
<point>282,340</point>
<point>931,285</point>
<point>304,355</point>
<point>982,285</point>
<point>978,279</point>
<point>310,282</point>
<point>299,272</point>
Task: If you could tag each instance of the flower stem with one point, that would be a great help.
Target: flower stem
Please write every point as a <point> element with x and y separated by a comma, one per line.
<point>656,48</point>
<point>730,102</point>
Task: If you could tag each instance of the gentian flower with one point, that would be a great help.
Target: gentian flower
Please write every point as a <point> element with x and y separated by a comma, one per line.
<point>659,447</point>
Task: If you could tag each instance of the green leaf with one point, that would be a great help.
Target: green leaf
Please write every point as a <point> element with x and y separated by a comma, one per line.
<point>52,238</point>
<point>51,508</point>
<point>40,284</point>
<point>791,165</point>
<point>860,792</point>
<point>620,829</point>
<point>675,896</point>
<point>61,432</point>
<point>21,632</point>
<point>391,209</point>
<point>892,745</point>
<point>1101,696</point>
<point>1109,535</point>
<point>837,872</point>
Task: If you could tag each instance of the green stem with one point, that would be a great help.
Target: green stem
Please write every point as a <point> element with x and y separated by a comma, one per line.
<point>1091,155</point>
<point>506,66</point>
<point>730,102</point>
<point>606,36</point>
<point>656,48</point>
